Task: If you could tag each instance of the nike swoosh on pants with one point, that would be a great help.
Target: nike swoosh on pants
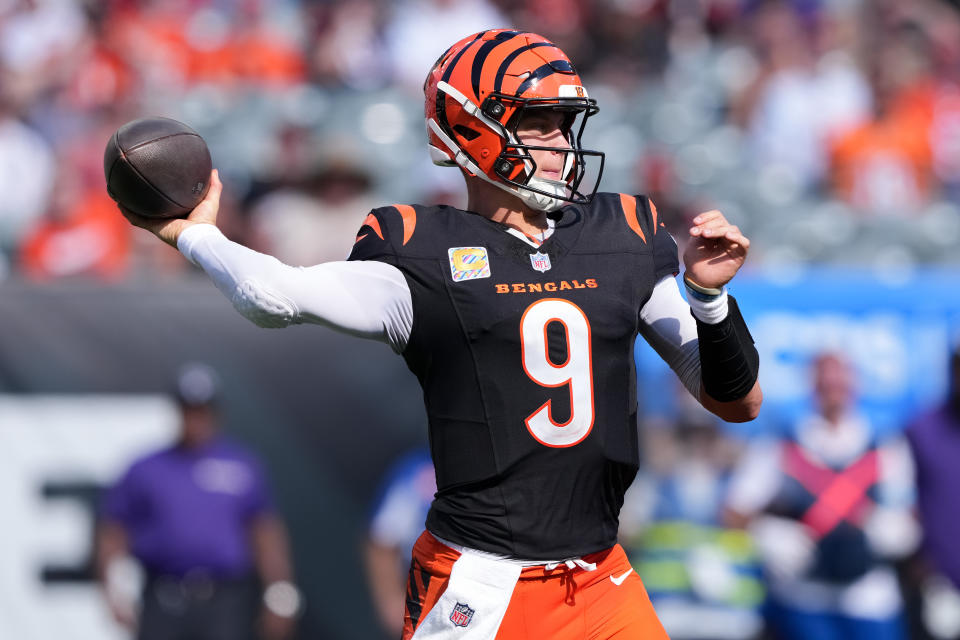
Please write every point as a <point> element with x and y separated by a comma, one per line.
<point>619,579</point>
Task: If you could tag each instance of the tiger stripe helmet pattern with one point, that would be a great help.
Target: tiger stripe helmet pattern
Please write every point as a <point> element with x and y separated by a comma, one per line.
<point>475,97</point>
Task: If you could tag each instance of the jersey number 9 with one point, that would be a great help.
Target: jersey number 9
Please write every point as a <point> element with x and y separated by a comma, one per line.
<point>576,372</point>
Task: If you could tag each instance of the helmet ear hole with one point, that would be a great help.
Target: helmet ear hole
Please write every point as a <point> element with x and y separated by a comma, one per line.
<point>466,132</point>
<point>493,108</point>
<point>503,168</point>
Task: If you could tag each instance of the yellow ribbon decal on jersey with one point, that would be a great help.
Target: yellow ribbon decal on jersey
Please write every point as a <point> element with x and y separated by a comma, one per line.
<point>468,263</point>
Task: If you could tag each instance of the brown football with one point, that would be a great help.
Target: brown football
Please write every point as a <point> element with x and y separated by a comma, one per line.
<point>157,167</point>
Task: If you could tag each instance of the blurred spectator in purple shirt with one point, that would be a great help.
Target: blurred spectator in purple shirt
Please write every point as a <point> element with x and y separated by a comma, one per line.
<point>198,518</point>
<point>935,440</point>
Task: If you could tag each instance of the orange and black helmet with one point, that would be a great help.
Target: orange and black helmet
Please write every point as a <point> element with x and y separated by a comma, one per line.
<point>476,95</point>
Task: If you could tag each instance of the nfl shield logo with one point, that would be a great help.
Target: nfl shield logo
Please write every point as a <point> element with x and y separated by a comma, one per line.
<point>540,261</point>
<point>461,615</point>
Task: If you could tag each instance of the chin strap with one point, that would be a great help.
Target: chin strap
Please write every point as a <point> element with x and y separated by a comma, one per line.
<point>540,201</point>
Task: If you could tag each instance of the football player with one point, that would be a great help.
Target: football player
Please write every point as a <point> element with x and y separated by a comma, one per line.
<point>518,316</point>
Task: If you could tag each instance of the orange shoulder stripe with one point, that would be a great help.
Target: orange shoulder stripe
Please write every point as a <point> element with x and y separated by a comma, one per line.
<point>653,212</point>
<point>629,204</point>
<point>409,216</point>
<point>372,222</point>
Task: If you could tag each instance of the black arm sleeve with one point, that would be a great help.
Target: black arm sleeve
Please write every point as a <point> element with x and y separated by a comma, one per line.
<point>729,362</point>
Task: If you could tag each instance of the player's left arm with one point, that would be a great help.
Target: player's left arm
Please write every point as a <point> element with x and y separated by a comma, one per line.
<point>728,359</point>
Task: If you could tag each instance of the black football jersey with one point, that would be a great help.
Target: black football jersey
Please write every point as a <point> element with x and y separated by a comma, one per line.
<point>525,357</point>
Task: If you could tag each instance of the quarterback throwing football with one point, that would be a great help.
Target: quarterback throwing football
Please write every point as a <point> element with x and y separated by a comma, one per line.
<point>518,317</point>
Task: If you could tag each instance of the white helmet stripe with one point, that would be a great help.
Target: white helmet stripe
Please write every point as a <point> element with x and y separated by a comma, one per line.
<point>460,157</point>
<point>471,108</point>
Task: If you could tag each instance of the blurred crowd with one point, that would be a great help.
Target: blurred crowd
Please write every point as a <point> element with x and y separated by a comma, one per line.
<point>825,527</point>
<point>828,129</point>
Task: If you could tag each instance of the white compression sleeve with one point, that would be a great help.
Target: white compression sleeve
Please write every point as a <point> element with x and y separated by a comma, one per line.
<point>365,298</point>
<point>672,332</point>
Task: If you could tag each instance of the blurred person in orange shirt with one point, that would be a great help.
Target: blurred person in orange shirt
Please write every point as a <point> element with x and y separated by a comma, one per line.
<point>181,43</point>
<point>251,49</point>
<point>808,90</point>
<point>80,235</point>
<point>885,165</point>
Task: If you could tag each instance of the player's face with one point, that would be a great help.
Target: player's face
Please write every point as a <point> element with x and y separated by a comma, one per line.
<point>199,425</point>
<point>834,384</point>
<point>544,128</point>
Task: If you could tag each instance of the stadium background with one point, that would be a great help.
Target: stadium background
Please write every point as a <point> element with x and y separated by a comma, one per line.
<point>828,130</point>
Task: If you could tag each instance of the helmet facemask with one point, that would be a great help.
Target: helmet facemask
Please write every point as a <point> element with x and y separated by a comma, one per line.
<point>516,165</point>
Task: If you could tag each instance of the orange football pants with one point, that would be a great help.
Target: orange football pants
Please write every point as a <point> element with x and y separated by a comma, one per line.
<point>562,604</point>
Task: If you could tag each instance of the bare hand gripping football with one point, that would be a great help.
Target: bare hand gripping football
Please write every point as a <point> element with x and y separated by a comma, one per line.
<point>169,229</point>
<point>159,172</point>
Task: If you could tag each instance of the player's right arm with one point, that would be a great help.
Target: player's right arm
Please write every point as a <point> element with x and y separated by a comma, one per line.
<point>369,299</point>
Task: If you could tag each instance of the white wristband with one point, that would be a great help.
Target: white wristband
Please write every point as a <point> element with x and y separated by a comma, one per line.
<point>709,311</point>
<point>282,599</point>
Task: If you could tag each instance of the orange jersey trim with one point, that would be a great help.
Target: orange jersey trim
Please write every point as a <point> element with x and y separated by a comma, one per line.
<point>409,216</point>
<point>372,222</point>
<point>629,204</point>
<point>653,212</point>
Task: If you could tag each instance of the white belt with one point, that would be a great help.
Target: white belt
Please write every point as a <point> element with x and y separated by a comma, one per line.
<point>474,602</point>
<point>478,593</point>
<point>548,565</point>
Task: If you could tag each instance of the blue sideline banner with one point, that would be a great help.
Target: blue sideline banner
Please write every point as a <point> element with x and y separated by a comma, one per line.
<point>897,332</point>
